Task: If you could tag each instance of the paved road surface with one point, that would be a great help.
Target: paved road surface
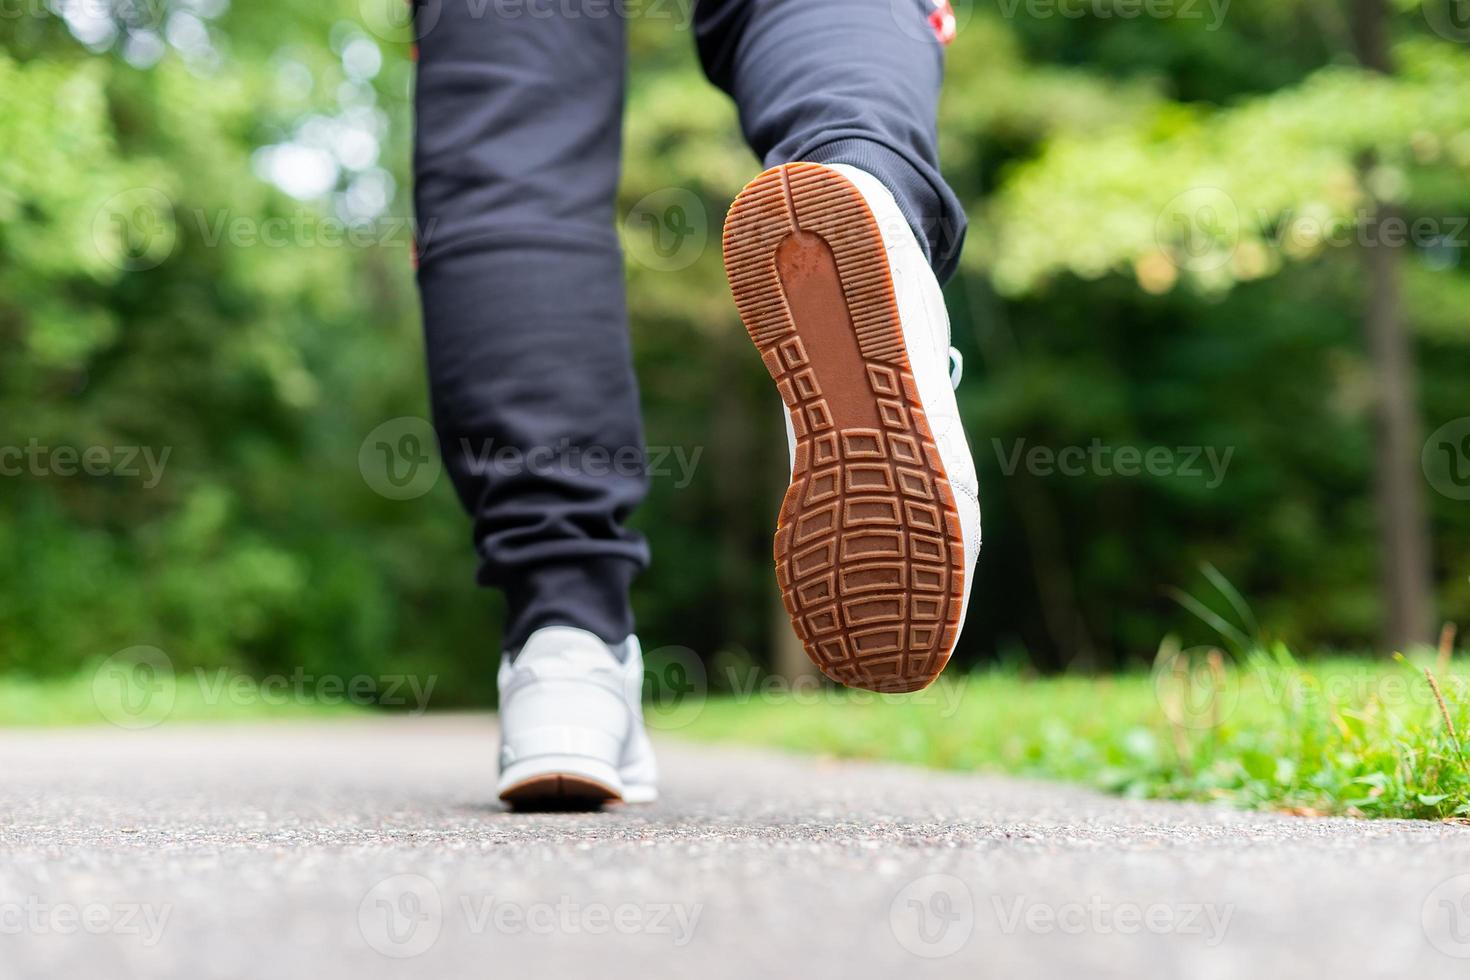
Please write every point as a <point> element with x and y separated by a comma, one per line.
<point>375,849</point>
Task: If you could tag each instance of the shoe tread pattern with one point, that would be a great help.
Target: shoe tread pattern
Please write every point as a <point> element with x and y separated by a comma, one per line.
<point>868,548</point>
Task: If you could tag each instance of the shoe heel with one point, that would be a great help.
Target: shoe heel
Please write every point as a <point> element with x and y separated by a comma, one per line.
<point>560,782</point>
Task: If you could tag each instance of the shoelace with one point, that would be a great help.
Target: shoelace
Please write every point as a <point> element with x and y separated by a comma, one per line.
<point>956,367</point>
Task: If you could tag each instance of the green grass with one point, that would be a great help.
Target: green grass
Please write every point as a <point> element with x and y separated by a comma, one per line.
<point>1340,736</point>
<point>1362,737</point>
<point>97,698</point>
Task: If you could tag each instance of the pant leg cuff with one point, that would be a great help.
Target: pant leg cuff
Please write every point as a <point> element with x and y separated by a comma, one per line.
<point>586,593</point>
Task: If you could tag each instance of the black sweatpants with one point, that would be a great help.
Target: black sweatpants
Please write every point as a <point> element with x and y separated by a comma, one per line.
<point>516,167</point>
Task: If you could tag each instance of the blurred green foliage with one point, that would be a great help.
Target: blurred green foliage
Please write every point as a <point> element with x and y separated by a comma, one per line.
<point>160,288</point>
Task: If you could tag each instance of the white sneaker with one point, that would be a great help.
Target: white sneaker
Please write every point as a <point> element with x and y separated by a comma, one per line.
<point>878,532</point>
<point>571,723</point>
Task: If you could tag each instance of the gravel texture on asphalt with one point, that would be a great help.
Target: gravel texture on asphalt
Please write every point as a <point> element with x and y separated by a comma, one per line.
<point>376,848</point>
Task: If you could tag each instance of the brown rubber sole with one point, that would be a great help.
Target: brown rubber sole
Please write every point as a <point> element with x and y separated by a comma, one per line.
<point>559,792</point>
<point>869,553</point>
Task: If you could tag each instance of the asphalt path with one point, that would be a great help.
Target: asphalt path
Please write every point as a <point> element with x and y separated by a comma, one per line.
<point>375,848</point>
